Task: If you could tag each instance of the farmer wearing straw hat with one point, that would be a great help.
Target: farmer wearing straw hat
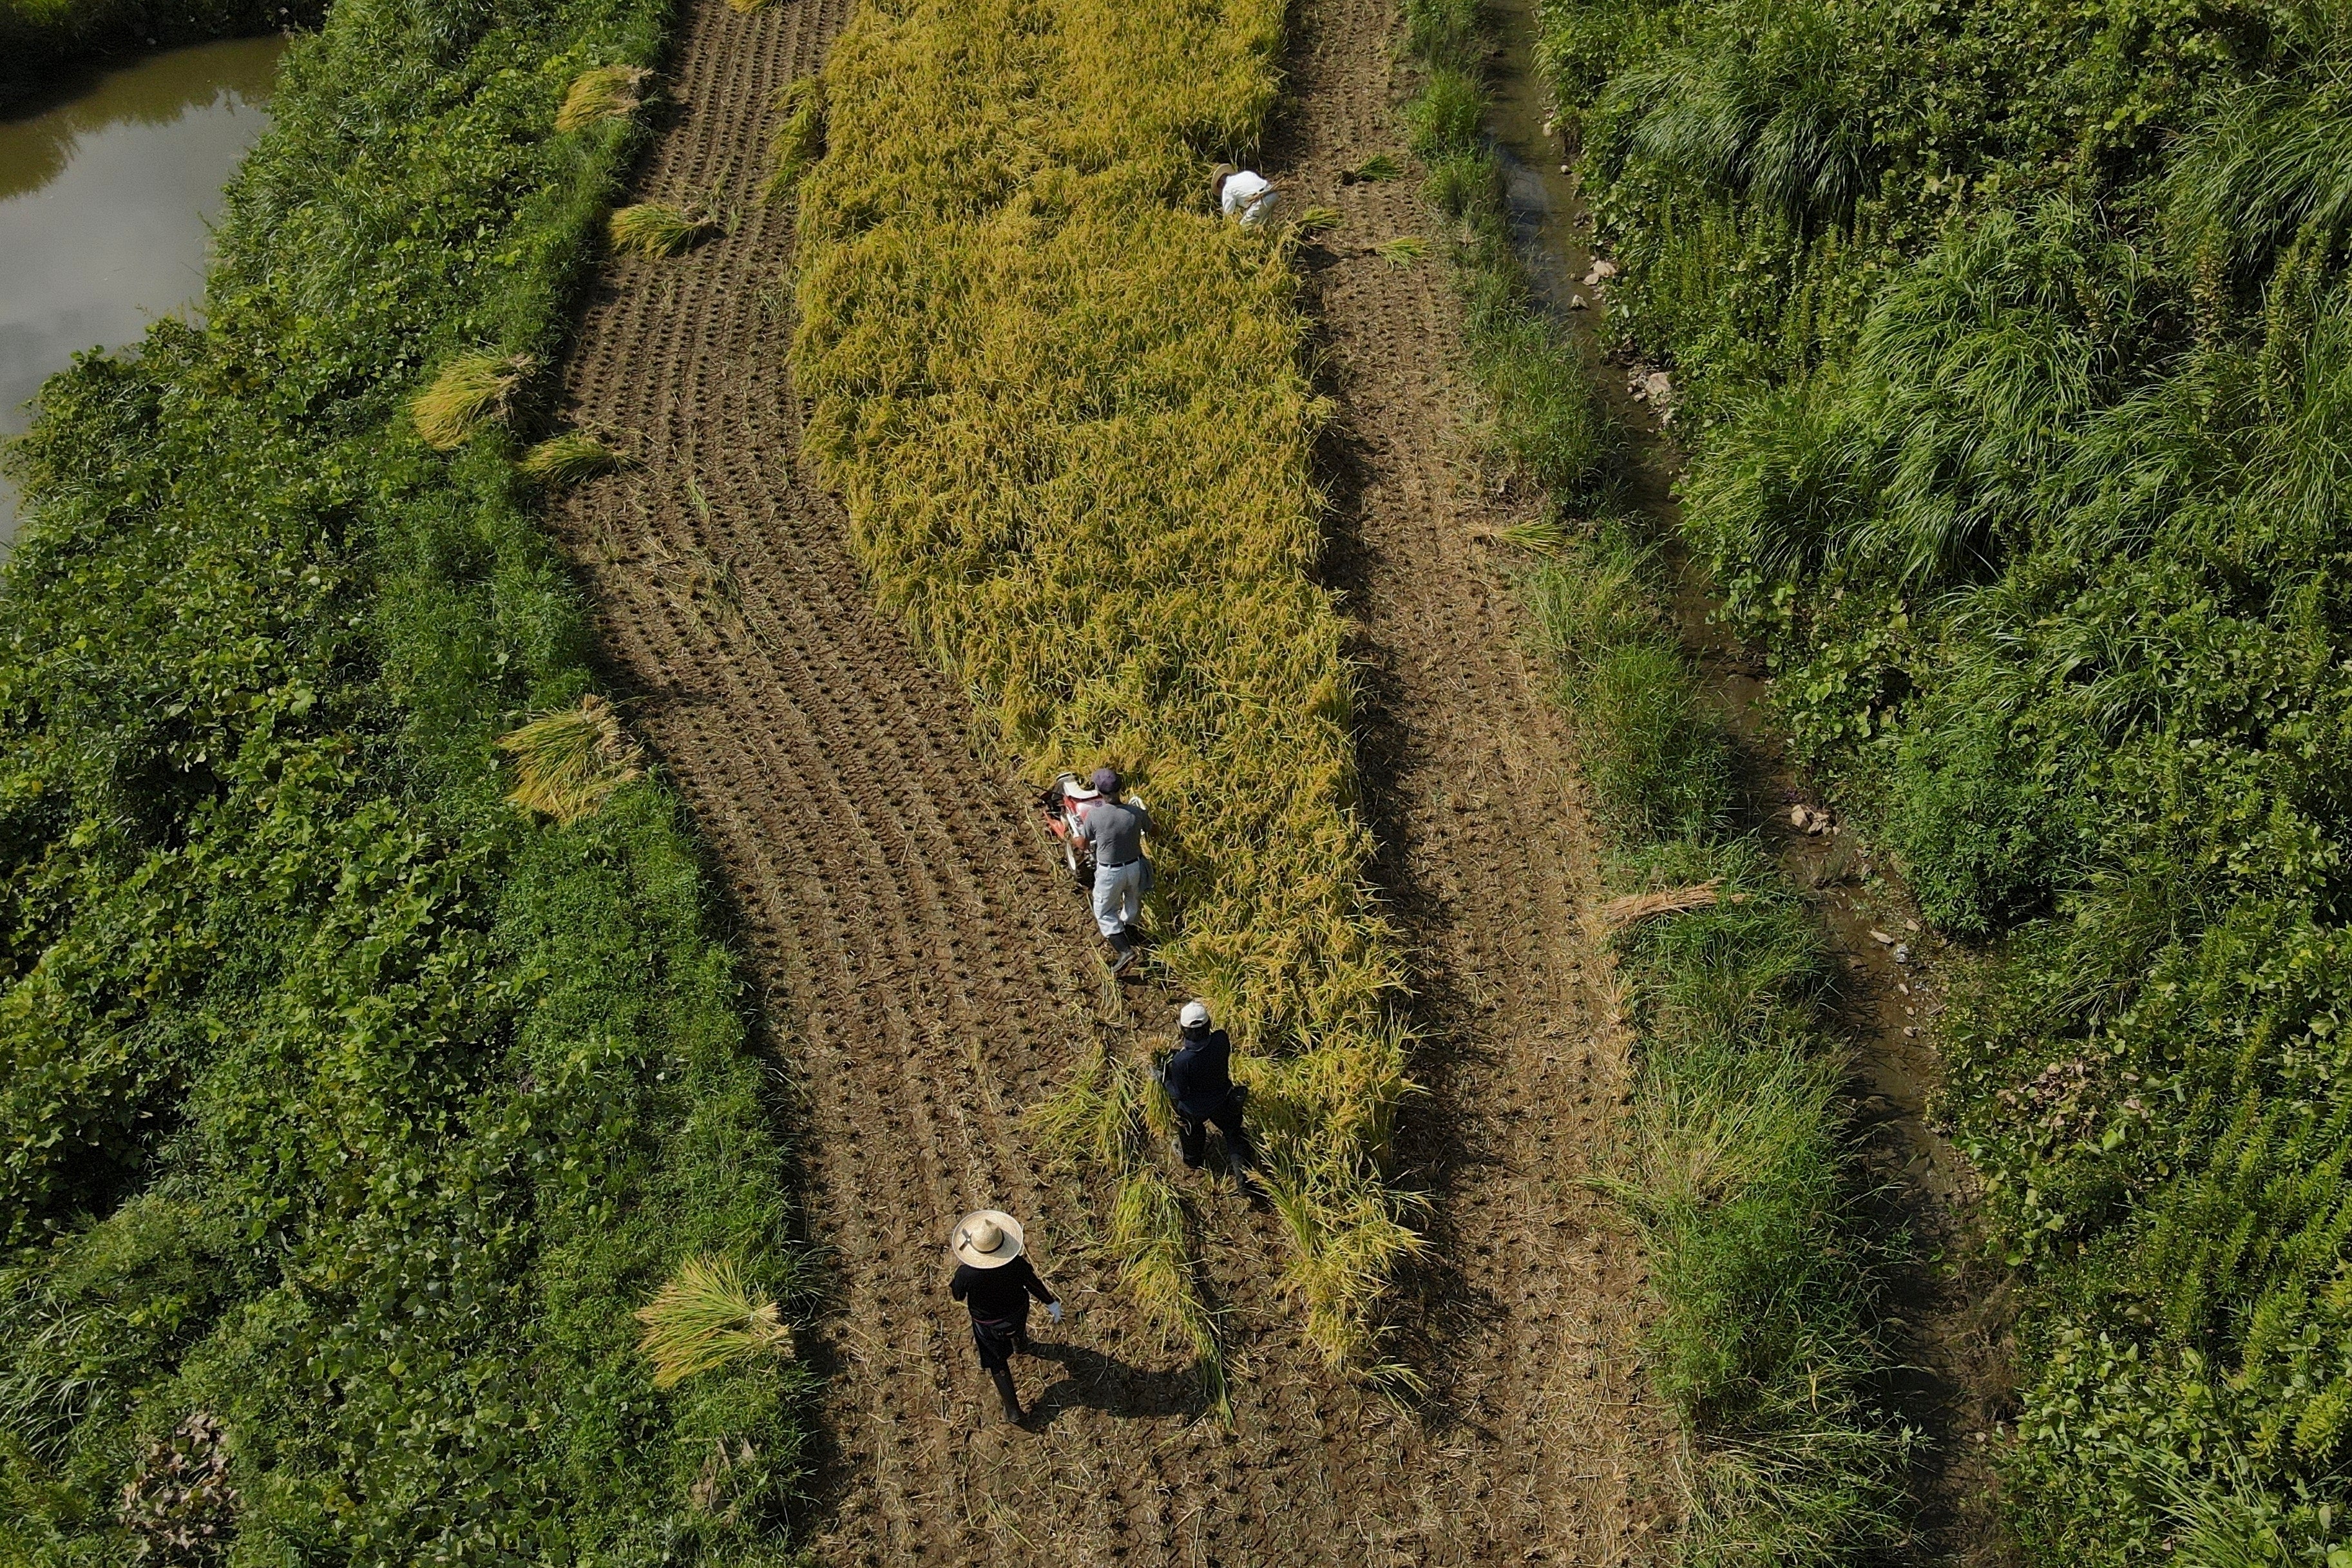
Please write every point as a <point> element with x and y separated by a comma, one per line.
<point>1199,1079</point>
<point>1122,873</point>
<point>994,1281</point>
<point>1243,194</point>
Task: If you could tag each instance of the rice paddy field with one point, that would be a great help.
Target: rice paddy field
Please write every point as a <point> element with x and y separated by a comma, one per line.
<point>1068,418</point>
<point>518,928</point>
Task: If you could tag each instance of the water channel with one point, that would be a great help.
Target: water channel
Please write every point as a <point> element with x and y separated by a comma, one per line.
<point>109,188</point>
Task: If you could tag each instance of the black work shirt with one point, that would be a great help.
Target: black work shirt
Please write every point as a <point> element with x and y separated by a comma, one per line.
<point>997,1294</point>
<point>1199,1077</point>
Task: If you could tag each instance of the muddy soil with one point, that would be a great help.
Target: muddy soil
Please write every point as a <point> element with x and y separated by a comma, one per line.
<point>926,972</point>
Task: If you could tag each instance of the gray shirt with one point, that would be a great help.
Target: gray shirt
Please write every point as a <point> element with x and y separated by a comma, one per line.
<point>1116,831</point>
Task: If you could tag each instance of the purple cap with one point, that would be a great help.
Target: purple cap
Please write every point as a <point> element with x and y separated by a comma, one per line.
<point>1107,780</point>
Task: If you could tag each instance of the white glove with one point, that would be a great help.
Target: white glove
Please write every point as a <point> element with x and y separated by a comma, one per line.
<point>1053,1311</point>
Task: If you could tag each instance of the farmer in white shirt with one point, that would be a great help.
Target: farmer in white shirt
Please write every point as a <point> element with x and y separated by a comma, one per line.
<point>1248,197</point>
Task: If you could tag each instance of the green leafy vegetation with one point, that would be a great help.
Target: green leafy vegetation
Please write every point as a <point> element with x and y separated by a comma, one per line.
<point>1066,409</point>
<point>2011,345</point>
<point>348,1112</point>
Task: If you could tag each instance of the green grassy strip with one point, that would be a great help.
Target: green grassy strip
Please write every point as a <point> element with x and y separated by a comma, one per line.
<point>2014,349</point>
<point>1066,409</point>
<point>339,1100</point>
<point>1735,1169</point>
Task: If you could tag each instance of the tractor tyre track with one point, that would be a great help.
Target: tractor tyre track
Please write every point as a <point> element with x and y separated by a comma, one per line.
<point>928,974</point>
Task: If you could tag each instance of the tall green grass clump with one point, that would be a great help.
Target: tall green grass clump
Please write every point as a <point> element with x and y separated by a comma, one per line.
<point>347,1114</point>
<point>1736,1170</point>
<point>1064,407</point>
<point>2015,367</point>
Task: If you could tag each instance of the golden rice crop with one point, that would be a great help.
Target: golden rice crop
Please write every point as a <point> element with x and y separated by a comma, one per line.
<point>569,762</point>
<point>705,1317</point>
<point>659,228</point>
<point>1074,438</point>
<point>568,459</point>
<point>601,92</point>
<point>471,391</point>
<point>1403,251</point>
<point>800,139</point>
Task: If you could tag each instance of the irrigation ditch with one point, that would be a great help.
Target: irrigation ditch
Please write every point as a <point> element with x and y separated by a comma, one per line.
<point>1938,1309</point>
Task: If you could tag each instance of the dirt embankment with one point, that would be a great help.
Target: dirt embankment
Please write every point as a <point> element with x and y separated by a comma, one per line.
<point>927,972</point>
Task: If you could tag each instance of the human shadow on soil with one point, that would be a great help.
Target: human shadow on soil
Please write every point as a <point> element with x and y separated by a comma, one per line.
<point>1093,1380</point>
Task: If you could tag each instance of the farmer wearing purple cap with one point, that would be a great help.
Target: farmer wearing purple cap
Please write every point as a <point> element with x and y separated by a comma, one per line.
<point>1122,874</point>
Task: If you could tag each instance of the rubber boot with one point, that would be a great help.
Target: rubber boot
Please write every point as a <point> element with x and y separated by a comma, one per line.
<point>1005,1390</point>
<point>1123,947</point>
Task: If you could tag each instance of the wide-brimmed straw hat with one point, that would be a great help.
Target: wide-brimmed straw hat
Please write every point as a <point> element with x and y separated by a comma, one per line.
<point>986,1238</point>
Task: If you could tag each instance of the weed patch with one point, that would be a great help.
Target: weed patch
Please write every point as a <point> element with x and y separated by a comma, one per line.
<point>1735,1168</point>
<point>2010,350</point>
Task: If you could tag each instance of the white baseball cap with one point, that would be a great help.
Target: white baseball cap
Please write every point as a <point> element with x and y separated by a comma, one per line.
<point>1194,1015</point>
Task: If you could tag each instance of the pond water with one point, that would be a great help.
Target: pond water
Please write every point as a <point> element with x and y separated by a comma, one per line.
<point>108,189</point>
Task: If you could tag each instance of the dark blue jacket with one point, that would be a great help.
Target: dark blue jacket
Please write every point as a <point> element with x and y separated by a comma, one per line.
<point>1199,1077</point>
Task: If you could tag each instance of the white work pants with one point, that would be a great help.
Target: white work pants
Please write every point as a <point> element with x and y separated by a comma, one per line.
<point>1119,897</point>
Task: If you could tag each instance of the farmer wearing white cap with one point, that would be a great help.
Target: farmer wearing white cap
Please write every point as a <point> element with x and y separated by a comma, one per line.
<point>1122,874</point>
<point>994,1279</point>
<point>1199,1079</point>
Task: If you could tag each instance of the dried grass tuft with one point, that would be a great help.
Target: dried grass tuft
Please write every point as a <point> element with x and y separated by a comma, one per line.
<point>568,762</point>
<point>601,92</point>
<point>659,228</point>
<point>705,1317</point>
<point>571,457</point>
<point>472,390</point>
<point>1619,914</point>
<point>1543,535</point>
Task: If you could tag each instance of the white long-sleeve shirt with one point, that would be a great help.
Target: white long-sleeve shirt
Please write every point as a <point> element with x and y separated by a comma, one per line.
<point>1248,197</point>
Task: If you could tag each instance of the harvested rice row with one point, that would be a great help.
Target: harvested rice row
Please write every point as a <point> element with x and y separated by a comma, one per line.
<point>1064,407</point>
